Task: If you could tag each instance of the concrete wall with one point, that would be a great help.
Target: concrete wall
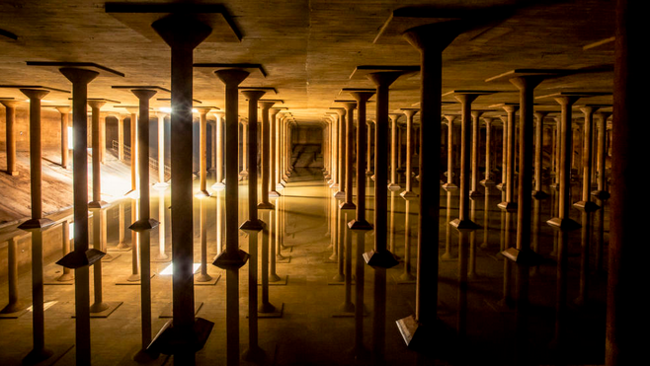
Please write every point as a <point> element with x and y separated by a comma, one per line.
<point>50,125</point>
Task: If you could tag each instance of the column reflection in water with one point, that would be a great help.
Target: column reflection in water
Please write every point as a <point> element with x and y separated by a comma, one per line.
<point>161,256</point>
<point>486,216</point>
<point>407,276</point>
<point>471,270</point>
<point>447,254</point>
<point>585,243</point>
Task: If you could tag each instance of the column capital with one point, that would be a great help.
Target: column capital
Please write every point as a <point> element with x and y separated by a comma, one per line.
<point>35,93</point>
<point>98,104</point>
<point>8,103</point>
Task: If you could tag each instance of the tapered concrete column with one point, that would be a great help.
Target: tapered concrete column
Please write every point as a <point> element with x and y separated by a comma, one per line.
<point>585,204</point>
<point>340,163</point>
<point>504,152</point>
<point>408,192</point>
<point>253,223</point>
<point>380,257</point>
<point>10,141</point>
<point>348,204</point>
<point>182,33</point>
<point>334,151</point>
<point>252,226</point>
<point>36,225</point>
<point>360,223</point>
<point>203,152</point>
<point>273,154</point>
<point>627,261</point>
<point>488,182</point>
<point>244,170</point>
<point>369,170</point>
<point>463,222</point>
<point>449,186</point>
<point>81,257</point>
<point>266,156</point>
<point>430,40</point>
<point>144,224</point>
<point>65,117</point>
<point>557,153</point>
<point>213,145</point>
<point>601,192</point>
<point>394,182</point>
<point>509,204</point>
<point>219,184</point>
<point>400,166</point>
<point>161,151</point>
<point>134,152</point>
<point>15,308</point>
<point>232,258</point>
<point>538,192</point>
<point>562,221</point>
<point>476,116</point>
<point>97,202</point>
<point>102,138</point>
<point>120,137</point>
<point>282,152</point>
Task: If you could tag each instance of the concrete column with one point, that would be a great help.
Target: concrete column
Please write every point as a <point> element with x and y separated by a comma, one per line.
<point>348,203</point>
<point>476,116</point>
<point>134,151</point>
<point>203,152</point>
<point>380,257</point>
<point>504,152</point>
<point>627,259</point>
<point>65,116</point>
<point>556,156</point>
<point>266,158</point>
<point>182,33</point>
<point>161,151</point>
<point>219,184</point>
<point>10,142</point>
<point>394,182</point>
<point>430,40</point>
<point>601,192</point>
<point>273,154</point>
<point>585,204</point>
<point>253,224</point>
<point>562,222</point>
<point>341,176</point>
<point>97,202</point>
<point>282,149</point>
<point>463,223</point>
<point>408,192</point>
<point>360,223</point>
<point>335,152</point>
<point>79,259</point>
<point>144,224</point>
<point>36,225</point>
<point>102,139</point>
<point>538,192</point>
<point>232,258</point>
<point>15,307</point>
<point>449,186</point>
<point>488,182</point>
<point>369,170</point>
<point>120,138</point>
<point>244,171</point>
<point>509,204</point>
